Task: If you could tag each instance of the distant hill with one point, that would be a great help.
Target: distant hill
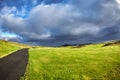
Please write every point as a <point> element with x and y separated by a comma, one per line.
<point>112,43</point>
<point>107,43</point>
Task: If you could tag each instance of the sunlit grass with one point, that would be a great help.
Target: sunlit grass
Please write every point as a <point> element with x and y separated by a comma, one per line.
<point>67,63</point>
<point>90,62</point>
<point>9,47</point>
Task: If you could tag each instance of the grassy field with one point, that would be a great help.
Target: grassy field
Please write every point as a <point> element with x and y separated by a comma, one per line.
<point>9,47</point>
<point>91,62</point>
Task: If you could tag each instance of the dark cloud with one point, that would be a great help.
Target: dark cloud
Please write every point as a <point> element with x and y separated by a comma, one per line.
<point>57,23</point>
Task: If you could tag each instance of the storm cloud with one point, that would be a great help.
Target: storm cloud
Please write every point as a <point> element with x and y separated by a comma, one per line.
<point>61,22</point>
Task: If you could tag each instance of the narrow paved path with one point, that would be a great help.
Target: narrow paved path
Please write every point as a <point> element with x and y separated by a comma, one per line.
<point>13,66</point>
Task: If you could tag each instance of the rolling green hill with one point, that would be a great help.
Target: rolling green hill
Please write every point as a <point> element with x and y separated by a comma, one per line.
<point>9,47</point>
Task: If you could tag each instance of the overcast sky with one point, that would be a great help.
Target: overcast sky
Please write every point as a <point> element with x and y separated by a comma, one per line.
<point>58,22</point>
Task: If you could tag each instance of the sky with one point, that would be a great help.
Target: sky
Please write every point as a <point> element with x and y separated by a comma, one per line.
<point>58,22</point>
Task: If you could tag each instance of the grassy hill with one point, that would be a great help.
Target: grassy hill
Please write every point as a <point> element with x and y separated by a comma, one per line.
<point>9,47</point>
<point>89,62</point>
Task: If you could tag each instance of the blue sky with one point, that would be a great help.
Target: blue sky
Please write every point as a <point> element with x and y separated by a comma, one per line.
<point>58,22</point>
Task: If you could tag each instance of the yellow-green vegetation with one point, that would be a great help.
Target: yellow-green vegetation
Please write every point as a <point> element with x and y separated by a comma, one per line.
<point>90,62</point>
<point>9,47</point>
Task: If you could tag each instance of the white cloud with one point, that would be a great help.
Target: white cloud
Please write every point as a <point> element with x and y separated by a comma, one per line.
<point>50,15</point>
<point>118,1</point>
<point>8,36</point>
<point>42,36</point>
<point>86,29</point>
<point>109,14</point>
<point>8,10</point>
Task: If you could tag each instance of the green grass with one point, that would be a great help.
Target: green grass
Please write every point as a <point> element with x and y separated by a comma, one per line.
<point>91,62</point>
<point>9,47</point>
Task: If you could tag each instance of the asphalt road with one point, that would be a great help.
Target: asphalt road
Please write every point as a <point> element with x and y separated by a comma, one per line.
<point>13,66</point>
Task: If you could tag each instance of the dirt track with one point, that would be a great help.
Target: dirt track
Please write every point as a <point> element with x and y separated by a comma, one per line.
<point>13,66</point>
